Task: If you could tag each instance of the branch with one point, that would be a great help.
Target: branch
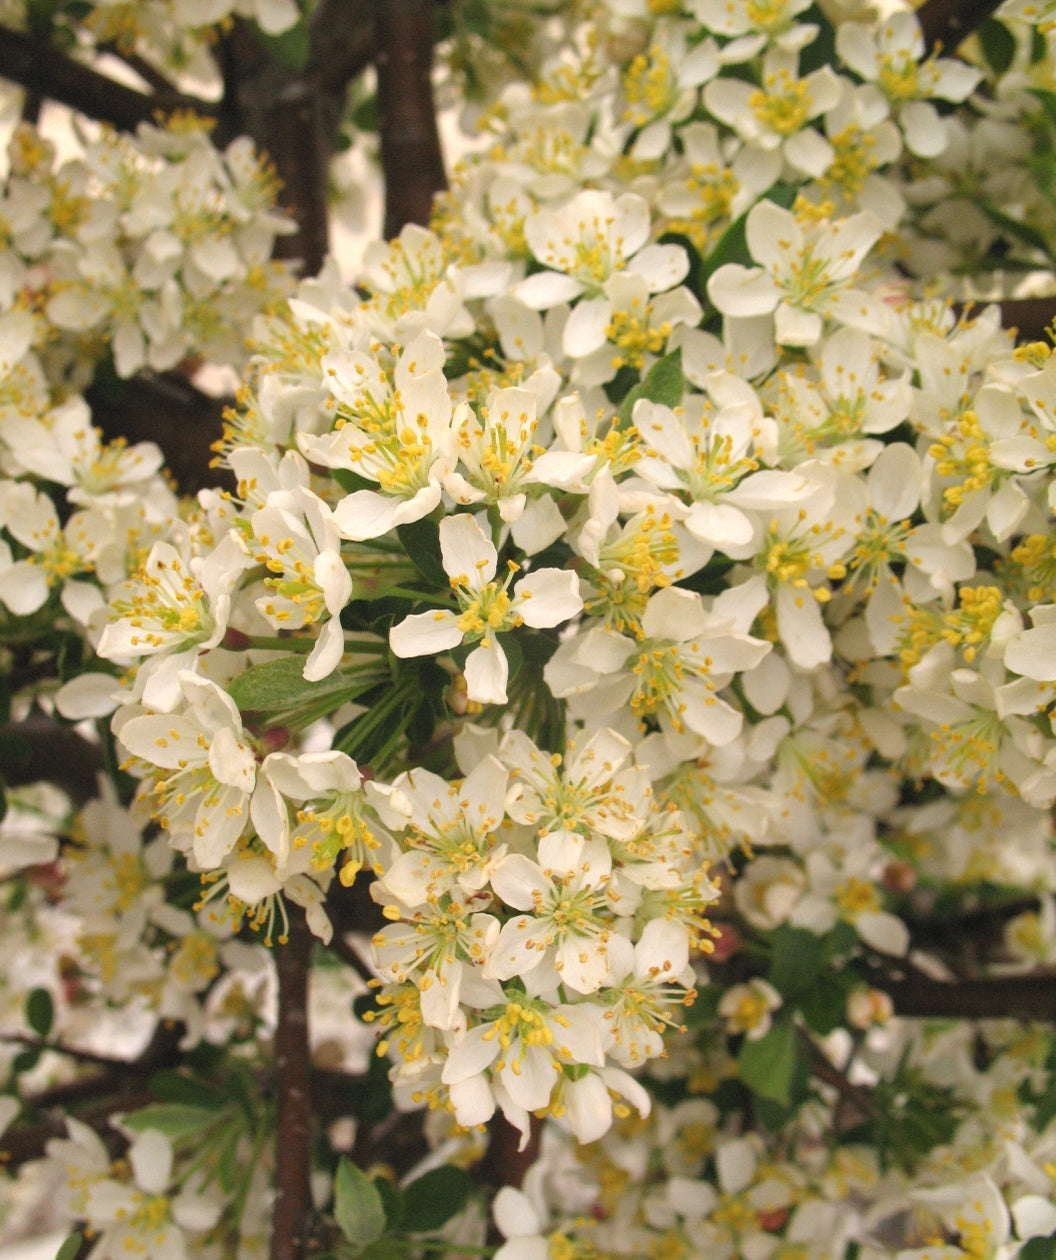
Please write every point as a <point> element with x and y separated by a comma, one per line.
<point>36,65</point>
<point>348,954</point>
<point>293,1196</point>
<point>39,748</point>
<point>1030,317</point>
<point>169,410</point>
<point>334,63</point>
<point>1030,997</point>
<point>855,1104</point>
<point>411,158</point>
<point>946,24</point>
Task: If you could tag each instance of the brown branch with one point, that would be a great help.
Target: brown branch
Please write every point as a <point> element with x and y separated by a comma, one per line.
<point>1030,317</point>
<point>341,34</point>
<point>169,410</point>
<point>946,24</point>
<point>71,1052</point>
<point>36,65</point>
<point>39,748</point>
<point>293,1197</point>
<point>411,157</point>
<point>1030,997</point>
<point>855,1104</point>
<point>348,954</point>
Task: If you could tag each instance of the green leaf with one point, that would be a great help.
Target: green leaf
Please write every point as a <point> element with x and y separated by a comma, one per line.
<point>733,244</point>
<point>998,45</point>
<point>1039,1249</point>
<point>1047,100</point>
<point>421,541</point>
<point>290,49</point>
<point>3,801</point>
<point>69,1248</point>
<point>350,481</point>
<point>435,1197</point>
<point>40,1012</point>
<point>824,1004</point>
<point>358,1209</point>
<point>663,383</point>
<point>385,1249</point>
<point>175,1120</point>
<point>1013,227</point>
<point>171,1086</point>
<point>768,1065</point>
<point>796,960</point>
<point>25,1061</point>
<point>393,1202</point>
<point>278,689</point>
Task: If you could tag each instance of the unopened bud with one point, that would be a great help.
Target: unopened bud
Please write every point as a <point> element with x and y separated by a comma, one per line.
<point>234,640</point>
<point>899,876</point>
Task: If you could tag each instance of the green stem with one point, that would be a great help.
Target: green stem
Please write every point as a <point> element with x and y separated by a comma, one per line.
<point>409,592</point>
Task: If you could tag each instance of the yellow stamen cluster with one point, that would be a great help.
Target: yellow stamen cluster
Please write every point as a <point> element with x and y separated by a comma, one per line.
<point>853,161</point>
<point>649,86</point>
<point>965,628</point>
<point>634,335</point>
<point>783,103</point>
<point>963,453</point>
<point>712,189</point>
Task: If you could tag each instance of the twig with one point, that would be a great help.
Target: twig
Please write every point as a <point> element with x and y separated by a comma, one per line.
<point>34,64</point>
<point>348,954</point>
<point>293,1198</point>
<point>411,157</point>
<point>946,24</point>
<point>850,1095</point>
<point>71,1052</point>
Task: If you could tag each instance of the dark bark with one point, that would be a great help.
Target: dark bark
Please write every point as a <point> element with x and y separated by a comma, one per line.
<point>1030,997</point>
<point>946,24</point>
<point>1031,317</point>
<point>293,1199</point>
<point>36,65</point>
<point>411,157</point>
<point>169,410</point>
<point>41,748</point>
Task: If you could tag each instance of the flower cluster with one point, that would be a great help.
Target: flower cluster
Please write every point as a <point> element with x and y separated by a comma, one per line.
<point>638,577</point>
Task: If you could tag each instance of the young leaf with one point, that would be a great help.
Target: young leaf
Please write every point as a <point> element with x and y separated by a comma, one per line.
<point>40,1012</point>
<point>435,1197</point>
<point>290,48</point>
<point>998,45</point>
<point>768,1065</point>
<point>358,1209</point>
<point>796,960</point>
<point>277,689</point>
<point>175,1120</point>
<point>421,541</point>
<point>70,1247</point>
<point>663,383</point>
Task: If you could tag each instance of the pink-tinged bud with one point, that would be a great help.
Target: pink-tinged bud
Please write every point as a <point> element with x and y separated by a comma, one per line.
<point>774,1219</point>
<point>234,640</point>
<point>726,941</point>
<point>275,738</point>
<point>899,877</point>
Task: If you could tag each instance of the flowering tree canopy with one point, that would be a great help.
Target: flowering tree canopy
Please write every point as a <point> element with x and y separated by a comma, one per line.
<point>560,762</point>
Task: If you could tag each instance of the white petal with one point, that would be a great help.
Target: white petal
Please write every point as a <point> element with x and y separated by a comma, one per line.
<point>487,672</point>
<point>425,634</point>
<point>548,597</point>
